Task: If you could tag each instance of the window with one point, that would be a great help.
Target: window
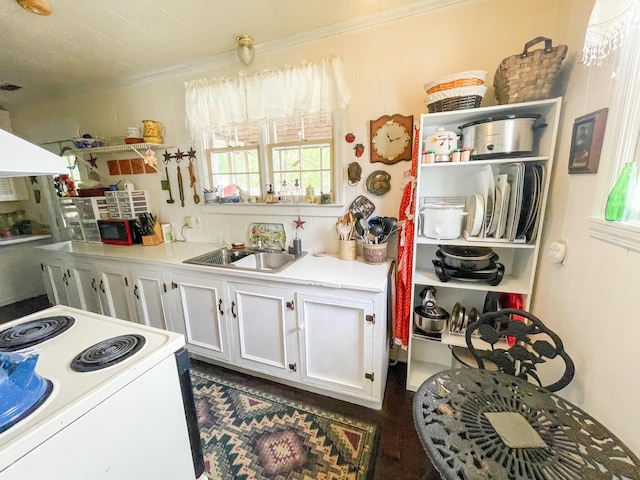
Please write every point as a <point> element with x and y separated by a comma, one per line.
<point>234,158</point>
<point>621,142</point>
<point>293,155</point>
<point>274,128</point>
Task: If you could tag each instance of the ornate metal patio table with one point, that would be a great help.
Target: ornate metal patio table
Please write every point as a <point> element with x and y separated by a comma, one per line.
<point>477,424</point>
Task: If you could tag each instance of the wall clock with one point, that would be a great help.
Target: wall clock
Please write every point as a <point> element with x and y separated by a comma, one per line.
<point>390,138</point>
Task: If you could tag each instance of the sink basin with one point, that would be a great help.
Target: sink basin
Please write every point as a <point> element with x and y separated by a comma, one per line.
<point>245,259</point>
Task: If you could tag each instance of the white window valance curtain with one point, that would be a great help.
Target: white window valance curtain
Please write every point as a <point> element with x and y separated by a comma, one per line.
<point>311,87</point>
<point>609,24</point>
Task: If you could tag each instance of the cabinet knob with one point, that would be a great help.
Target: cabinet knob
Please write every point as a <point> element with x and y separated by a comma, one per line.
<point>289,305</point>
<point>293,367</point>
<point>220,307</point>
<point>174,285</point>
<point>135,292</point>
<point>233,306</point>
<point>102,286</point>
<point>93,284</point>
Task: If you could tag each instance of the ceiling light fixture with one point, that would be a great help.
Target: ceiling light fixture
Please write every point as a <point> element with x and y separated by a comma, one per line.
<point>39,7</point>
<point>246,52</point>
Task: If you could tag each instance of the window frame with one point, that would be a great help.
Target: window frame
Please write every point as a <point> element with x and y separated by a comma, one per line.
<point>620,143</point>
<point>266,167</point>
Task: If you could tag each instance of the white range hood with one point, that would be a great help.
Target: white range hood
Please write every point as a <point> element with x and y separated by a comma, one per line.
<point>19,158</point>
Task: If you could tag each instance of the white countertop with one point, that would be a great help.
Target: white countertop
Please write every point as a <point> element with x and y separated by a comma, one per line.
<point>12,240</point>
<point>326,270</point>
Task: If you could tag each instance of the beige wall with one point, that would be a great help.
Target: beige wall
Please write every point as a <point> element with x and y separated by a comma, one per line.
<point>589,300</point>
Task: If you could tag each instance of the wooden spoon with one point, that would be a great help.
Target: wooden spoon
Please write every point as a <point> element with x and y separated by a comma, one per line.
<point>192,176</point>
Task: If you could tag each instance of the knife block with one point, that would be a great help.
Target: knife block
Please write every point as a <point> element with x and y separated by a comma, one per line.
<point>156,238</point>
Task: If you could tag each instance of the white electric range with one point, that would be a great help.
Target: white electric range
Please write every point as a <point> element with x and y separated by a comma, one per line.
<point>116,400</point>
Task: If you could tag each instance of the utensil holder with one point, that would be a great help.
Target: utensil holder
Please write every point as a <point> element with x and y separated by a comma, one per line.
<point>156,238</point>
<point>374,253</point>
<point>347,250</point>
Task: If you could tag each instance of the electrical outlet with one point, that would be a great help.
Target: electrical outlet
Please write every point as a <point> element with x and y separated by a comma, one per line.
<point>558,251</point>
<point>191,222</point>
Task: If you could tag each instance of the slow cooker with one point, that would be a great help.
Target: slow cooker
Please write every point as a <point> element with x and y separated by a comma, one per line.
<point>503,136</point>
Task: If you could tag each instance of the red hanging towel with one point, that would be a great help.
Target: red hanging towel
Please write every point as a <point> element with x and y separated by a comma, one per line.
<point>405,252</point>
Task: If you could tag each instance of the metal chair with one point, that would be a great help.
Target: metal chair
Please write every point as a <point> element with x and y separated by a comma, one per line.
<point>513,350</point>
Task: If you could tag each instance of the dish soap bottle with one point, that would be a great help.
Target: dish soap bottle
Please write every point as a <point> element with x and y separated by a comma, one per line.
<point>617,199</point>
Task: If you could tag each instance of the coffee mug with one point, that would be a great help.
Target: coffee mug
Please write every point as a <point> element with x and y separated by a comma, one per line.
<point>134,132</point>
<point>153,128</point>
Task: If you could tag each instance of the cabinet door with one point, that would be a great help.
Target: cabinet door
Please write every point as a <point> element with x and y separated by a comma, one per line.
<point>84,283</point>
<point>149,291</point>
<point>114,293</point>
<point>336,340</point>
<point>264,329</point>
<point>200,314</point>
<point>56,281</point>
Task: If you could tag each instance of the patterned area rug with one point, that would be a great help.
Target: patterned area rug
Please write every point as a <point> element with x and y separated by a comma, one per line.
<point>248,434</point>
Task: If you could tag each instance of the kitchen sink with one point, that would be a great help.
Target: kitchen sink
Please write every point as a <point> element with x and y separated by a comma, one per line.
<point>245,259</point>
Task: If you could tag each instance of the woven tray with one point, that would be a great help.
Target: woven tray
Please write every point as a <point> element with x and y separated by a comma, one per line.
<point>455,103</point>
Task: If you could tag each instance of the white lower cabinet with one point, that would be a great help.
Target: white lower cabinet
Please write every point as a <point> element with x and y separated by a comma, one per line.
<point>201,313</point>
<point>264,329</point>
<point>150,296</point>
<point>332,341</point>
<point>114,292</point>
<point>55,280</point>
<point>336,342</point>
<point>85,280</point>
<point>93,286</point>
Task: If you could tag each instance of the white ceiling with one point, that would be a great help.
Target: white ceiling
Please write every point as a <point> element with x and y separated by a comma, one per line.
<point>100,43</point>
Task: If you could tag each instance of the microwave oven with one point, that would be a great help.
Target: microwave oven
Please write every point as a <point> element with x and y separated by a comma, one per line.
<point>119,231</point>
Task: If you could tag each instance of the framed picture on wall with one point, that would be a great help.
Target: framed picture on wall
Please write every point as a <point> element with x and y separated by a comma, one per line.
<point>586,142</point>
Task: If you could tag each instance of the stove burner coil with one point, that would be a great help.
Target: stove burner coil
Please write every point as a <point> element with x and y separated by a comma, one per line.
<point>34,332</point>
<point>107,353</point>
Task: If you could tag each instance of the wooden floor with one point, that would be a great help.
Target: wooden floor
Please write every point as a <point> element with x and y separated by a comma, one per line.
<point>400,454</point>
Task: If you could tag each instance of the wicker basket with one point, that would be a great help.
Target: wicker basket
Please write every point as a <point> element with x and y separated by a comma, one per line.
<point>455,103</point>
<point>529,76</point>
<point>469,78</point>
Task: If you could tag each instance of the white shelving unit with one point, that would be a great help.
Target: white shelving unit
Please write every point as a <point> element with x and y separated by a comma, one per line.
<point>137,147</point>
<point>428,355</point>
